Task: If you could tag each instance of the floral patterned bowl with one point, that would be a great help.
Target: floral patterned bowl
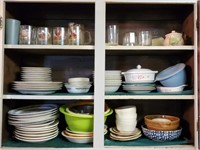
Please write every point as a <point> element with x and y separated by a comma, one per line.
<point>161,135</point>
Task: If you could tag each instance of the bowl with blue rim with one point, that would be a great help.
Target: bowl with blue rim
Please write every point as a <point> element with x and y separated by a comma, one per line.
<point>161,136</point>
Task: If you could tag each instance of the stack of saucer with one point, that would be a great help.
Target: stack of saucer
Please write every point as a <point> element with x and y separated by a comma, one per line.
<point>112,80</point>
<point>36,80</point>
<point>79,137</point>
<point>124,136</point>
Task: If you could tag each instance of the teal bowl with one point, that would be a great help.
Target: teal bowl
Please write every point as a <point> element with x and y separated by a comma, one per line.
<point>80,122</point>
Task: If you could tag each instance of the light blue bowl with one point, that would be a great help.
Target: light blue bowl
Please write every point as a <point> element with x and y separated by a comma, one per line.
<point>173,76</point>
<point>162,136</point>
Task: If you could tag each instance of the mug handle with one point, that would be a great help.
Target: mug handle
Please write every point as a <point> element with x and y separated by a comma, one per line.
<point>89,38</point>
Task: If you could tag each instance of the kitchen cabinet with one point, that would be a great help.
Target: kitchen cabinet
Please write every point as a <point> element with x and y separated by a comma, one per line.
<point>161,17</point>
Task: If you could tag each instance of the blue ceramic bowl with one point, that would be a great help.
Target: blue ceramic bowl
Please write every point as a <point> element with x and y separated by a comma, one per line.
<point>161,135</point>
<point>172,76</point>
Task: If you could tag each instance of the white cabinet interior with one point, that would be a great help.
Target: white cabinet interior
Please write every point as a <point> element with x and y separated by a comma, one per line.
<point>74,61</point>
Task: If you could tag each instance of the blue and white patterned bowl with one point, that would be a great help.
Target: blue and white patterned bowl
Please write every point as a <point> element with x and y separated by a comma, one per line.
<point>161,135</point>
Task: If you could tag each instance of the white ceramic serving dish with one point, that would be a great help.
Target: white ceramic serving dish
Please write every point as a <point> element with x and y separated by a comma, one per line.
<point>139,75</point>
<point>177,89</point>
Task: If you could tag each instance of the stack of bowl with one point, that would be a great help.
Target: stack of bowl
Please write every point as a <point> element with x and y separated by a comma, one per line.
<point>112,80</point>
<point>162,127</point>
<point>126,118</point>
<point>172,79</point>
<point>78,85</point>
<point>79,116</point>
<point>126,121</point>
<point>139,81</point>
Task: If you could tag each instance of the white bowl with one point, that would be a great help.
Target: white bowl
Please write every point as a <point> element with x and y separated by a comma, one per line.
<point>77,88</point>
<point>124,110</point>
<point>170,89</point>
<point>126,127</point>
<point>78,80</point>
<point>111,89</point>
<point>125,117</point>
<point>126,121</point>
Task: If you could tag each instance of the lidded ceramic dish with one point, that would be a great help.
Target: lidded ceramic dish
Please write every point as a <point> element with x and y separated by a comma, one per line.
<point>173,39</point>
<point>139,75</point>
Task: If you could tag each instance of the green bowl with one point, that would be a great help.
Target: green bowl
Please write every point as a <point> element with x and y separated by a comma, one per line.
<point>79,122</point>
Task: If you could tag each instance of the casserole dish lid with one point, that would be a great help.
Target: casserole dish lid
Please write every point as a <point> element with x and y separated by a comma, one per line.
<point>139,69</point>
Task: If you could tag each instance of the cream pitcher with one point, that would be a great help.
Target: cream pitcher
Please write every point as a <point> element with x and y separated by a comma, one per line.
<point>77,35</point>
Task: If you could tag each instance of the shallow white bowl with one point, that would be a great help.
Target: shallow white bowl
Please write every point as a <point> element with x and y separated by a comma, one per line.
<point>111,89</point>
<point>77,88</point>
<point>78,79</point>
<point>124,110</point>
<point>170,89</point>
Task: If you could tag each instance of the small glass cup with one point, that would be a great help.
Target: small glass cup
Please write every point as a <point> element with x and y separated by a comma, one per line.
<point>130,39</point>
<point>44,36</point>
<point>59,36</point>
<point>25,32</point>
<point>145,38</point>
<point>112,34</point>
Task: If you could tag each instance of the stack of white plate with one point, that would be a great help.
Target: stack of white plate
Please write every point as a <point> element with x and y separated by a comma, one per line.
<point>36,80</point>
<point>34,123</point>
<point>31,74</point>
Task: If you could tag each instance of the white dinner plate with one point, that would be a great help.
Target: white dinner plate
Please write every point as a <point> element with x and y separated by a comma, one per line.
<point>36,139</point>
<point>33,109</point>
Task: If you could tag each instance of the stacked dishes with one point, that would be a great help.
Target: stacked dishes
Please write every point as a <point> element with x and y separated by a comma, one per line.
<point>124,136</point>
<point>139,81</point>
<point>172,79</point>
<point>79,120</point>
<point>79,116</point>
<point>79,137</point>
<point>78,85</point>
<point>162,127</point>
<point>36,80</point>
<point>31,74</point>
<point>112,80</point>
<point>126,121</point>
<point>34,123</point>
